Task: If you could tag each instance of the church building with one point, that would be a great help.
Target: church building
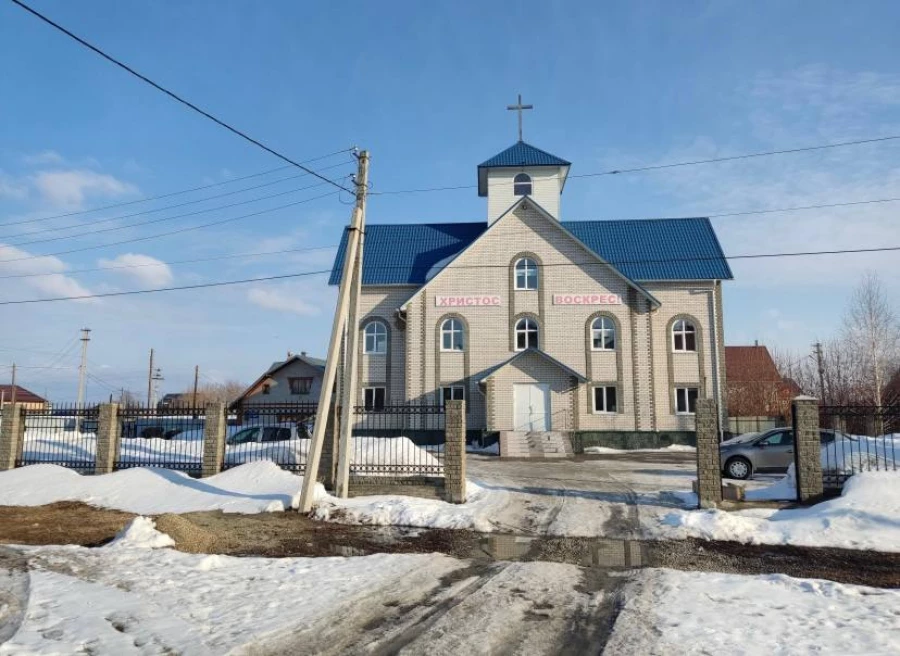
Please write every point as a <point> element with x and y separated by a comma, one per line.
<point>543,324</point>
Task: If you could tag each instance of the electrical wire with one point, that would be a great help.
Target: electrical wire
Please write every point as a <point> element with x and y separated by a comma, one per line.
<point>179,193</point>
<point>175,96</point>
<point>226,283</point>
<point>170,232</point>
<point>172,207</point>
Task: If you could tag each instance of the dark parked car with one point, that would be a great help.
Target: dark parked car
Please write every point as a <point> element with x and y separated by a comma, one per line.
<point>769,452</point>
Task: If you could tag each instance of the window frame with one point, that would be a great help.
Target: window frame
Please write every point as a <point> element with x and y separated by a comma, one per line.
<point>373,406</point>
<point>300,385</point>
<point>606,389</point>
<point>267,388</point>
<point>530,269</point>
<point>451,388</point>
<point>518,182</point>
<point>375,325</point>
<point>460,329</point>
<point>688,328</point>
<point>526,331</point>
<point>603,330</point>
<point>687,400</point>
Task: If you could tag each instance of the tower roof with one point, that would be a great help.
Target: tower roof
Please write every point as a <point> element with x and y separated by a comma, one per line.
<point>517,155</point>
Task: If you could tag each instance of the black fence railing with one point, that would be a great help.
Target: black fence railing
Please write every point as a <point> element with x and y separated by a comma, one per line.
<point>279,432</point>
<point>64,434</point>
<point>171,438</point>
<point>400,441</point>
<point>866,438</point>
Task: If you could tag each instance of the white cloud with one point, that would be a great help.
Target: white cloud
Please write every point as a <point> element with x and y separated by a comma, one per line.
<point>69,189</point>
<point>285,298</point>
<point>43,158</point>
<point>13,262</point>
<point>12,188</point>
<point>143,268</point>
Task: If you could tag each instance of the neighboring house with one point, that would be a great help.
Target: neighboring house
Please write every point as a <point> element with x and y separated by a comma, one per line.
<point>29,399</point>
<point>296,379</point>
<point>173,400</point>
<point>755,388</point>
<point>541,324</point>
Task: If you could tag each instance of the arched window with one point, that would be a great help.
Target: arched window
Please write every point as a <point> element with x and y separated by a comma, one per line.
<point>603,334</point>
<point>684,336</point>
<point>375,338</point>
<point>526,274</point>
<point>452,335</point>
<point>526,334</point>
<point>522,185</point>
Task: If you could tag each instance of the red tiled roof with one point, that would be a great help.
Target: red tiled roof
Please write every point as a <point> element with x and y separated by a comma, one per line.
<point>22,395</point>
<point>750,364</point>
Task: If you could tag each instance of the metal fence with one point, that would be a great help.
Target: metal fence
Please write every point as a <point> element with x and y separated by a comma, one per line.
<point>279,432</point>
<point>64,435</point>
<point>398,441</point>
<point>171,438</point>
<point>867,438</point>
<point>742,425</point>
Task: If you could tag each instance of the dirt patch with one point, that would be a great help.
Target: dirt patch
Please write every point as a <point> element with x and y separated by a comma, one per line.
<point>65,522</point>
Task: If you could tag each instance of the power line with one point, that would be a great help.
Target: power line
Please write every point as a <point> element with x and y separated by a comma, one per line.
<point>657,167</point>
<point>170,232</point>
<point>235,256</point>
<point>181,192</point>
<point>172,207</point>
<point>89,233</point>
<point>226,283</point>
<point>176,97</point>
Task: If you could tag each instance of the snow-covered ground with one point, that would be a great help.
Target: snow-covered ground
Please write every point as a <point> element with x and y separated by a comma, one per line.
<point>132,597</point>
<point>865,516</point>
<point>672,448</point>
<point>670,612</point>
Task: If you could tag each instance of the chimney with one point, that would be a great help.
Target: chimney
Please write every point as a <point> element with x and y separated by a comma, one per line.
<point>303,353</point>
<point>290,354</point>
<point>755,342</point>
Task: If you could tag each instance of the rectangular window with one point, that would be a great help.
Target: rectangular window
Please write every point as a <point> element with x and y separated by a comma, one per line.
<point>605,399</point>
<point>453,393</point>
<point>267,388</point>
<point>300,386</point>
<point>373,398</point>
<point>685,400</point>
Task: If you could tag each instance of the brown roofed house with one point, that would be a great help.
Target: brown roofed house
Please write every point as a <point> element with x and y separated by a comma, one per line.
<point>755,388</point>
<point>27,398</point>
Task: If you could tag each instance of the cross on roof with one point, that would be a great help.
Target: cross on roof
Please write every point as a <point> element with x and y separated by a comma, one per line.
<point>518,107</point>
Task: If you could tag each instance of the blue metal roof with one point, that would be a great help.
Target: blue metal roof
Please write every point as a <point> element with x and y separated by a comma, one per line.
<point>645,249</point>
<point>518,155</point>
<point>523,154</point>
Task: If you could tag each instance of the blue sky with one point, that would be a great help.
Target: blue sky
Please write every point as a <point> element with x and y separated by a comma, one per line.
<point>424,87</point>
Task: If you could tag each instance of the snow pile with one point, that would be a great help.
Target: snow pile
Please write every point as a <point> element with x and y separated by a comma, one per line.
<point>251,488</point>
<point>374,451</point>
<point>865,516</point>
<point>395,510</point>
<point>671,612</point>
<point>141,533</point>
<point>46,444</point>
<point>672,448</point>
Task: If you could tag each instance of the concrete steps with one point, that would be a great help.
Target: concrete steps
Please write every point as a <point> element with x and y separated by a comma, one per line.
<point>550,444</point>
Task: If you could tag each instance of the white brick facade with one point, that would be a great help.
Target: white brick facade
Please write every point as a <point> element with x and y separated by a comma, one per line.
<point>643,368</point>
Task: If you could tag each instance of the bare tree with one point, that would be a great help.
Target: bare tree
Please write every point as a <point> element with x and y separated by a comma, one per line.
<point>871,336</point>
<point>214,392</point>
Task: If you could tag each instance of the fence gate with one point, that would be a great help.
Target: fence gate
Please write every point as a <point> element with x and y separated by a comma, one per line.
<point>857,438</point>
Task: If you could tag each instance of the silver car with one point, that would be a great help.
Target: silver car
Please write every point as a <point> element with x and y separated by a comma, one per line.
<point>768,452</point>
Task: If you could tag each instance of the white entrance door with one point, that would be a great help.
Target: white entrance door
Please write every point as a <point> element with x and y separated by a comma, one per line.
<point>531,403</point>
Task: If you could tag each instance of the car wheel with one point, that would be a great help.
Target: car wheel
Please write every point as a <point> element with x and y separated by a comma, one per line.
<point>739,468</point>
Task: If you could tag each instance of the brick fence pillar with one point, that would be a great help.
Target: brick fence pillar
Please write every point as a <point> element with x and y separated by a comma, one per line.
<point>455,451</point>
<point>108,438</point>
<point>709,465</point>
<point>807,448</point>
<point>214,428</point>
<point>12,435</point>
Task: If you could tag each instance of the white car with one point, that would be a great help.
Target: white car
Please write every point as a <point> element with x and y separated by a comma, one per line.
<point>265,434</point>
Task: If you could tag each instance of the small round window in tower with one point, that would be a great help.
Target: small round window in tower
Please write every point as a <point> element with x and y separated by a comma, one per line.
<point>522,185</point>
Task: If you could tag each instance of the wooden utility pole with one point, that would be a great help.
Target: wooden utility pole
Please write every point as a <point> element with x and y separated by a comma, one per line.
<point>12,398</point>
<point>82,373</point>
<point>821,366</point>
<point>196,380</point>
<point>351,261</point>
<point>352,340</point>
<point>150,381</point>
